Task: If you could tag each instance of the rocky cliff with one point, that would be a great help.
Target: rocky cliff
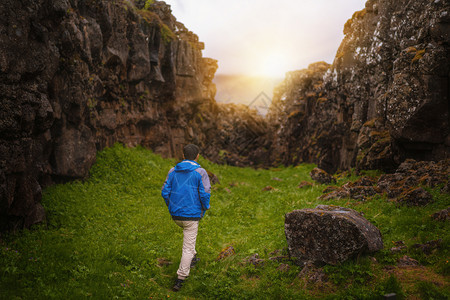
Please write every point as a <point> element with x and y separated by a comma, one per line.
<point>385,98</point>
<point>79,75</point>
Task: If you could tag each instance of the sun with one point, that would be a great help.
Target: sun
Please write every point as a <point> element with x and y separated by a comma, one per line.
<point>274,65</point>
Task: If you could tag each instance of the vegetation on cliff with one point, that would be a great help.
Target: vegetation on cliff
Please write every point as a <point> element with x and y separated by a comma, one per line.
<point>112,237</point>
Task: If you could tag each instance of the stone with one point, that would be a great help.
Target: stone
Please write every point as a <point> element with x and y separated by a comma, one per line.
<point>401,186</point>
<point>429,247</point>
<point>406,261</point>
<point>409,175</point>
<point>362,192</point>
<point>442,215</point>
<point>340,193</point>
<point>398,249</point>
<point>329,234</point>
<point>321,176</point>
<point>365,181</point>
<point>333,192</point>
<point>415,197</point>
<point>399,243</point>
<point>268,188</point>
<point>254,260</point>
<point>330,189</point>
<point>226,252</point>
<point>304,184</point>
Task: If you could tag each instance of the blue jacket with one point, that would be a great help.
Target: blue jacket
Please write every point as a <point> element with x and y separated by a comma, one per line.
<point>187,191</point>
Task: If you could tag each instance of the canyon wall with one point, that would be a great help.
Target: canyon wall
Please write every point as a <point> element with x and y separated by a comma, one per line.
<point>80,75</point>
<point>385,98</point>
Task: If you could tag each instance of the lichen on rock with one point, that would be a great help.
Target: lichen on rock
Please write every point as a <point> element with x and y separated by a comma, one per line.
<point>329,234</point>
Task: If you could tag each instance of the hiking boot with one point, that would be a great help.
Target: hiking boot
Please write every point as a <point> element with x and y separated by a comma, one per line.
<point>194,261</point>
<point>178,285</point>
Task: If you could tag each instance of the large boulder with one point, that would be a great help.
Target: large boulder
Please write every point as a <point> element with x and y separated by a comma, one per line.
<point>329,234</point>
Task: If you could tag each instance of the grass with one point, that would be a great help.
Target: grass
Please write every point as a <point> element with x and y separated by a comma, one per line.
<point>109,236</point>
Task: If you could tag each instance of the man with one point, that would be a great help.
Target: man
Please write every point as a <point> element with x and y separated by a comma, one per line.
<point>187,191</point>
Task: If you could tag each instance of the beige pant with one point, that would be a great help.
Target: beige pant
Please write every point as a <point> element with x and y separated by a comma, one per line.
<point>190,229</point>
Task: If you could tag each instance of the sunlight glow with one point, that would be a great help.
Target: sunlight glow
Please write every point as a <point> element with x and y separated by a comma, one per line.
<point>273,65</point>
<point>267,38</point>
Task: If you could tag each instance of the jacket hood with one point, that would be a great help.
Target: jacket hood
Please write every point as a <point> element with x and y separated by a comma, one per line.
<point>186,166</point>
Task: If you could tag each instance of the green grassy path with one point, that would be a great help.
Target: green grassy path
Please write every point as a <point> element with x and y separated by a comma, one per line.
<point>111,237</point>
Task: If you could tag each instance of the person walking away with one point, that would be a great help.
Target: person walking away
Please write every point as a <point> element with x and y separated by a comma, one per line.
<point>187,192</point>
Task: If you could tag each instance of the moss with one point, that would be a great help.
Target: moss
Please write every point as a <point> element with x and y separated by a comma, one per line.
<point>198,117</point>
<point>152,18</point>
<point>419,55</point>
<point>295,113</point>
<point>321,100</point>
<point>149,16</point>
<point>361,155</point>
<point>148,4</point>
<point>411,49</point>
<point>166,33</point>
<point>318,85</point>
<point>379,134</point>
<point>381,146</point>
<point>359,14</point>
<point>348,25</point>
<point>370,123</point>
<point>92,103</point>
<point>223,153</point>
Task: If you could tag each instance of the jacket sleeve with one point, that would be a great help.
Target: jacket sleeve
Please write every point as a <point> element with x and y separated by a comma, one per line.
<point>204,189</point>
<point>167,187</point>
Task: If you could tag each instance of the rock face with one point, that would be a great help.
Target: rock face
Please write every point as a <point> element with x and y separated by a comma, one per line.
<point>79,75</point>
<point>385,97</point>
<point>329,234</point>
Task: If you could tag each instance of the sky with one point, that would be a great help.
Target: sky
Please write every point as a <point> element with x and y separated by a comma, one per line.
<point>266,37</point>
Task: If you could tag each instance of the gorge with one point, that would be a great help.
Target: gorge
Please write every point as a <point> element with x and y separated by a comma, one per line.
<point>80,75</point>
